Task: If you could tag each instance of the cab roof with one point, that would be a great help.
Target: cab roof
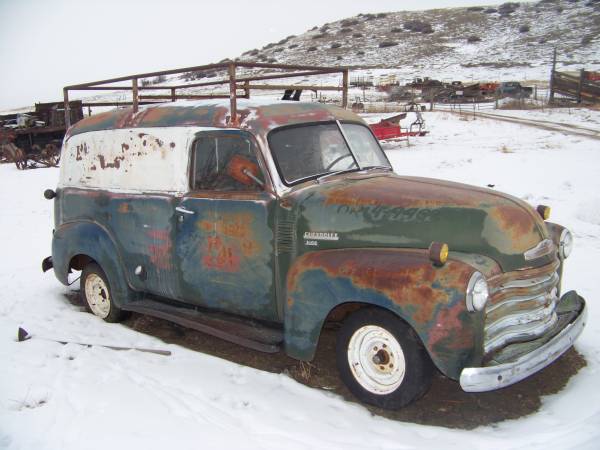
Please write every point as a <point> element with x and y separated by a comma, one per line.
<point>257,117</point>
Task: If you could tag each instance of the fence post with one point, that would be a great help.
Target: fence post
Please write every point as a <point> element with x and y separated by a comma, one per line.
<point>134,94</point>
<point>232,95</point>
<point>345,88</point>
<point>580,84</point>
<point>67,109</point>
<point>551,100</point>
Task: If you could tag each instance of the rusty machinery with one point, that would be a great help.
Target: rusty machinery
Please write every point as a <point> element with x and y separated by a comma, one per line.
<point>34,139</point>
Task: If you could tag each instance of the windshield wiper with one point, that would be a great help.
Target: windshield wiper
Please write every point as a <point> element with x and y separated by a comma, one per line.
<point>352,169</point>
<point>376,167</point>
<point>337,172</point>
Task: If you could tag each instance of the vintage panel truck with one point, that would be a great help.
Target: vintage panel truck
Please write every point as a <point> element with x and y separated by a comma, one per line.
<point>260,230</point>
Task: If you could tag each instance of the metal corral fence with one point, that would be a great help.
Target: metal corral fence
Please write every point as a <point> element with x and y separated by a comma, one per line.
<point>582,86</point>
<point>463,107</point>
<point>385,107</point>
<point>537,98</point>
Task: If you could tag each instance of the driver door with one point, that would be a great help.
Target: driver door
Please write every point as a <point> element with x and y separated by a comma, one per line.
<point>224,243</point>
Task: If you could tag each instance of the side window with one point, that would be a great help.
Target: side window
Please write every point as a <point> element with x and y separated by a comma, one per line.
<point>225,161</point>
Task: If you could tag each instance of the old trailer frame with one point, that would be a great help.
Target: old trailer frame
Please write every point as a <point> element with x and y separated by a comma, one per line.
<point>233,82</point>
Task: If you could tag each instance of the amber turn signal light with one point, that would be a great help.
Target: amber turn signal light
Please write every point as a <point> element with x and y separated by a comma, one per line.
<point>438,253</point>
<point>544,211</point>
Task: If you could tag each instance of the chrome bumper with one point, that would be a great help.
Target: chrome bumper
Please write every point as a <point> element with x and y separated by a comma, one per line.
<point>489,378</point>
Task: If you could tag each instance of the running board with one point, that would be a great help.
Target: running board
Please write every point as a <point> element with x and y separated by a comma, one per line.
<point>248,333</point>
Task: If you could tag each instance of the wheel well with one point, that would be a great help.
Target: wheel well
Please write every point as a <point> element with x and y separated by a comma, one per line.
<point>343,310</point>
<point>78,262</point>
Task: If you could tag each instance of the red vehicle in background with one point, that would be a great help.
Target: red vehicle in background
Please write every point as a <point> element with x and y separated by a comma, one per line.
<point>389,127</point>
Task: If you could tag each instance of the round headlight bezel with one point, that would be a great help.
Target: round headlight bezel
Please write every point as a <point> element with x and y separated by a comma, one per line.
<point>565,244</point>
<point>478,292</point>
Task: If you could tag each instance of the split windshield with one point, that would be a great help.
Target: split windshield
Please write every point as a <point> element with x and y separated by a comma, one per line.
<point>309,151</point>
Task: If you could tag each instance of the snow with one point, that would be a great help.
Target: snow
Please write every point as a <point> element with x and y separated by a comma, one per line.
<point>579,117</point>
<point>55,396</point>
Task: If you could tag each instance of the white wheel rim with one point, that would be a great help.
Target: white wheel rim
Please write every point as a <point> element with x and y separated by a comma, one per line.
<point>97,296</point>
<point>376,359</point>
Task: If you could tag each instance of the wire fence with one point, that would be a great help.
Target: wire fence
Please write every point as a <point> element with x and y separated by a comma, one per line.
<point>378,102</point>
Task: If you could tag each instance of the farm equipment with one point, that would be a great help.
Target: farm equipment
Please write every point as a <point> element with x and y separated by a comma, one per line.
<point>389,127</point>
<point>425,83</point>
<point>400,93</point>
<point>456,92</point>
<point>33,140</point>
<point>488,89</point>
<point>48,156</point>
<point>358,105</point>
<point>513,89</point>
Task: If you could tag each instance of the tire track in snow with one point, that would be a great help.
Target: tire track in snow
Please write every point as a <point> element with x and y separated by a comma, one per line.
<point>574,130</point>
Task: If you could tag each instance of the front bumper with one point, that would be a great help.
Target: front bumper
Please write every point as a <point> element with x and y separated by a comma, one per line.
<point>491,377</point>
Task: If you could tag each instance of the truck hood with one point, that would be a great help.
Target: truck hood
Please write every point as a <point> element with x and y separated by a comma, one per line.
<point>387,210</point>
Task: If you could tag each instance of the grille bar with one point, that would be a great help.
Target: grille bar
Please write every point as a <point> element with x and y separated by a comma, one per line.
<point>522,306</point>
<point>520,333</point>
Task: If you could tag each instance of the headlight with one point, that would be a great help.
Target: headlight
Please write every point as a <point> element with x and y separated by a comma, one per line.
<point>477,292</point>
<point>565,244</point>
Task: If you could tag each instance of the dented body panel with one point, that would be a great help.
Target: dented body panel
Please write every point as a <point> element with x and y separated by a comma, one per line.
<point>291,256</point>
<point>431,299</point>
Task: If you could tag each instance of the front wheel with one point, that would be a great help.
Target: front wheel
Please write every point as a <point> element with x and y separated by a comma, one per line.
<point>96,293</point>
<point>381,359</point>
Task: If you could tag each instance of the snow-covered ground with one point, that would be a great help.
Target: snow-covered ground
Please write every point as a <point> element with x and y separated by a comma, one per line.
<point>55,396</point>
<point>582,117</point>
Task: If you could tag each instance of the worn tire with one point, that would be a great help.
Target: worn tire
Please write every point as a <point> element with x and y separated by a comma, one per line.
<point>372,367</point>
<point>96,294</point>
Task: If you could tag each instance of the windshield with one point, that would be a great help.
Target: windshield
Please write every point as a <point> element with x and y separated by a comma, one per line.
<point>365,147</point>
<point>309,151</point>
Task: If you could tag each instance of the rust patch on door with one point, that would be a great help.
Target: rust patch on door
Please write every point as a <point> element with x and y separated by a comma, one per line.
<point>124,208</point>
<point>220,257</point>
<point>160,248</point>
<point>232,239</point>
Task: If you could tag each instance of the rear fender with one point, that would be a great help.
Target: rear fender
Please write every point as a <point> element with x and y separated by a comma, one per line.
<point>93,240</point>
<point>431,299</point>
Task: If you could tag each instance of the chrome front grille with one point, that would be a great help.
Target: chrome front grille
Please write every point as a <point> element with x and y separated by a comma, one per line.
<point>522,306</point>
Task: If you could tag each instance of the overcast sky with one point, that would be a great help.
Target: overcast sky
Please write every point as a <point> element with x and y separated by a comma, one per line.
<point>47,44</point>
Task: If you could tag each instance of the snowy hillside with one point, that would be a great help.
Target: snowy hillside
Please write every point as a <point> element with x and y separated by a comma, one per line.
<point>487,42</point>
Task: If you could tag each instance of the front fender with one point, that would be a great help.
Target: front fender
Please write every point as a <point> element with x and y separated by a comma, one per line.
<point>429,298</point>
<point>91,239</point>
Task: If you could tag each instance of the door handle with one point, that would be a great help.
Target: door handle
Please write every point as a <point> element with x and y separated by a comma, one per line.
<point>182,210</point>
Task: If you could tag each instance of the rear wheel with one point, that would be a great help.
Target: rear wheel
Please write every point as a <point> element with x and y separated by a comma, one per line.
<point>96,293</point>
<point>381,359</point>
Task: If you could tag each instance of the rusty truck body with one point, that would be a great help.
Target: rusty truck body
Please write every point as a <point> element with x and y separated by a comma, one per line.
<point>259,230</point>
